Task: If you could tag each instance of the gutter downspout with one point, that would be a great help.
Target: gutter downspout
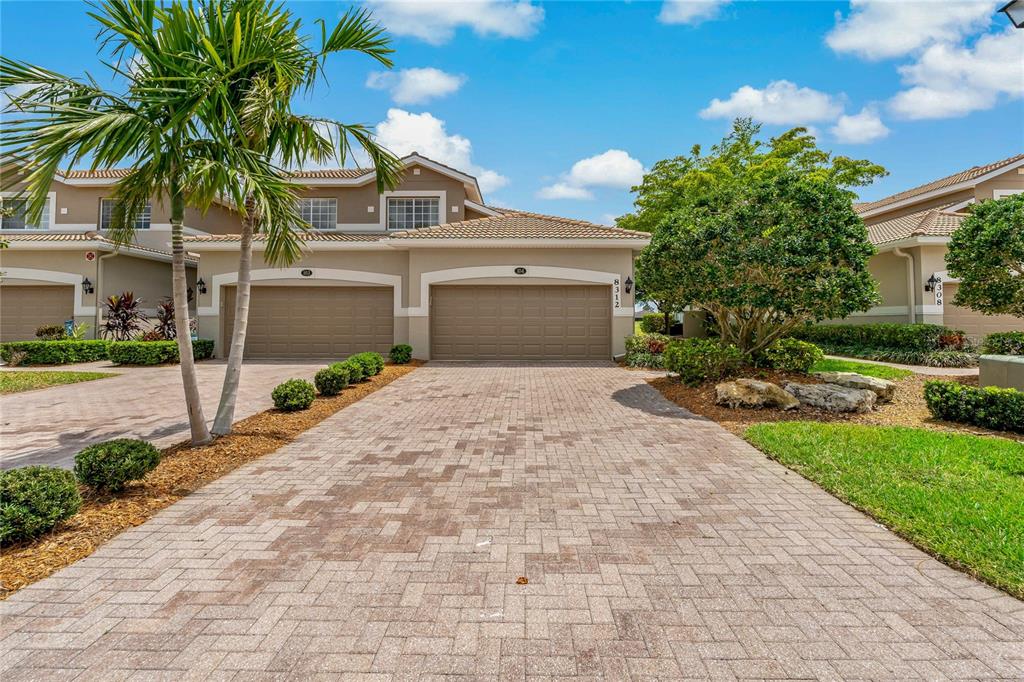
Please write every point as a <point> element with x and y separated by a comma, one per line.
<point>911,289</point>
<point>99,291</point>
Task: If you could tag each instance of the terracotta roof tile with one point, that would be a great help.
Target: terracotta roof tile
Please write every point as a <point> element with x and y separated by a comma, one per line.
<point>936,222</point>
<point>948,181</point>
<point>87,238</point>
<point>519,225</point>
<point>311,236</point>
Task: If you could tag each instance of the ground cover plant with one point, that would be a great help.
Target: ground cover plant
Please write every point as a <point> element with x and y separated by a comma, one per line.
<point>959,497</point>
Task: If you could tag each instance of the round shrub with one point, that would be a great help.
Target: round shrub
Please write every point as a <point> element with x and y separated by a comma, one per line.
<point>293,395</point>
<point>331,380</point>
<point>400,354</point>
<point>653,323</point>
<point>373,363</point>
<point>699,360</point>
<point>112,464</point>
<point>356,373</point>
<point>790,355</point>
<point>35,499</point>
<point>1004,343</point>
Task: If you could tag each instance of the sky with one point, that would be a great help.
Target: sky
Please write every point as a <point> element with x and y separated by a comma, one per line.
<point>559,107</point>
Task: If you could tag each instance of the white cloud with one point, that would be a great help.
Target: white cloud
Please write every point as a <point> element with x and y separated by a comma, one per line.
<point>859,128</point>
<point>780,103</point>
<point>435,21</point>
<point>415,86</point>
<point>404,132</point>
<point>880,29</point>
<point>948,80</point>
<point>613,168</point>
<point>563,190</point>
<point>690,11</point>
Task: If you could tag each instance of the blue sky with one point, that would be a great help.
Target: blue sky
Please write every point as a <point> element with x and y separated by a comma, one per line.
<point>559,106</point>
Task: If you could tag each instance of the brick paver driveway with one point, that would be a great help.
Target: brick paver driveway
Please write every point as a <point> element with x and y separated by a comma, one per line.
<point>49,426</point>
<point>390,538</point>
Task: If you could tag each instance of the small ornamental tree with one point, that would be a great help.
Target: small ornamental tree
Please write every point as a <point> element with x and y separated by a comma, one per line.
<point>987,253</point>
<point>763,237</point>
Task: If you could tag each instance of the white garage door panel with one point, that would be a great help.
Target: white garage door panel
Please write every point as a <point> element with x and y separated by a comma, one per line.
<point>520,323</point>
<point>315,322</point>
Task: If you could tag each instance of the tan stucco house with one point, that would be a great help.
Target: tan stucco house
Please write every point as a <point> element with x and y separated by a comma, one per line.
<point>911,229</point>
<point>429,264</point>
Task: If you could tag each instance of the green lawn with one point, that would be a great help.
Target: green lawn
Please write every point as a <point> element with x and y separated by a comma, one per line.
<point>960,497</point>
<point>865,368</point>
<point>15,382</point>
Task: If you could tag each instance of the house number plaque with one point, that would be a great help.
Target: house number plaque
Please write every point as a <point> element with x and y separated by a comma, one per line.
<point>306,273</point>
<point>616,299</point>
<point>520,271</point>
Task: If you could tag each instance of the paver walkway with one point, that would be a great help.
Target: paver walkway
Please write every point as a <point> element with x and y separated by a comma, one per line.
<point>389,540</point>
<point>50,425</point>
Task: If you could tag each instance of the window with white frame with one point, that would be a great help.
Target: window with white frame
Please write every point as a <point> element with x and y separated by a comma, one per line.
<point>15,218</point>
<point>413,212</point>
<point>107,206</point>
<point>321,214</point>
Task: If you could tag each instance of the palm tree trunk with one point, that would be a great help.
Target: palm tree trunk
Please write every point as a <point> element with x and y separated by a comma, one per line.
<point>233,375</point>
<point>179,292</point>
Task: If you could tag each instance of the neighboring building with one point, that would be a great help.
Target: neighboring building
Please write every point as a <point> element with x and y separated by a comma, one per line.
<point>911,229</point>
<point>429,264</point>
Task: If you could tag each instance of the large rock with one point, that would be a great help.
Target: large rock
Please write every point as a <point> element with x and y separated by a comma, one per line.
<point>833,398</point>
<point>753,393</point>
<point>883,388</point>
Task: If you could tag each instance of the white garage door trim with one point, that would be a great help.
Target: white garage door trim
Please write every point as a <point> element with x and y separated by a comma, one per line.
<point>267,274</point>
<point>612,279</point>
<point>57,278</point>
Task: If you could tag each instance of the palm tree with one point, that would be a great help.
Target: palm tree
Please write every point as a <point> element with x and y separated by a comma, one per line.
<point>263,61</point>
<point>165,123</point>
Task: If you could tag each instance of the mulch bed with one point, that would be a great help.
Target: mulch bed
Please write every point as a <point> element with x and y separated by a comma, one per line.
<point>182,469</point>
<point>907,408</point>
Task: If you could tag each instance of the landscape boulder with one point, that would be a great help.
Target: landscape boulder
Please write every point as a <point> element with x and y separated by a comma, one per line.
<point>883,388</point>
<point>833,398</point>
<point>753,393</point>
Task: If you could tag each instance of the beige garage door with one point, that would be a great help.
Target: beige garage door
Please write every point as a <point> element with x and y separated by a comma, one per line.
<point>314,322</point>
<point>520,323</point>
<point>25,309</point>
<point>972,322</point>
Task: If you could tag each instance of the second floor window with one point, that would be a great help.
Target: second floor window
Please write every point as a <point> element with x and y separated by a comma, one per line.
<point>321,214</point>
<point>17,218</point>
<point>408,214</point>
<point>107,206</point>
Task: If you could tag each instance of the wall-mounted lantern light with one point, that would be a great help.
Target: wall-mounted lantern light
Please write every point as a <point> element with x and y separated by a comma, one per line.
<point>1015,11</point>
<point>930,284</point>
<point>201,285</point>
<point>629,285</point>
<point>87,285</point>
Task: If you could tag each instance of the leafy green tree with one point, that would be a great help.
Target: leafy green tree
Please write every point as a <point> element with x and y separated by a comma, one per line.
<point>987,253</point>
<point>762,236</point>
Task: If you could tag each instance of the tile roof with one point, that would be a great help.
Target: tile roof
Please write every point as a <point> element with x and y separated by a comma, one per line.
<point>311,236</point>
<point>518,225</point>
<point>935,222</point>
<point>509,225</point>
<point>115,173</point>
<point>948,181</point>
<point>87,238</point>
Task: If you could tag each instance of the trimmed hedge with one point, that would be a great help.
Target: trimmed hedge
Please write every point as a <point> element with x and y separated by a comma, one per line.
<point>919,337</point>
<point>155,352</point>
<point>372,363</point>
<point>1004,343</point>
<point>112,464</point>
<point>790,355</point>
<point>400,354</point>
<point>35,499</point>
<point>293,395</point>
<point>1000,409</point>
<point>331,380</point>
<point>700,360</point>
<point>356,373</point>
<point>62,352</point>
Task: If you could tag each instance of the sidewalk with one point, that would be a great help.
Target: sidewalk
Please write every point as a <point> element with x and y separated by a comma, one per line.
<point>917,369</point>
